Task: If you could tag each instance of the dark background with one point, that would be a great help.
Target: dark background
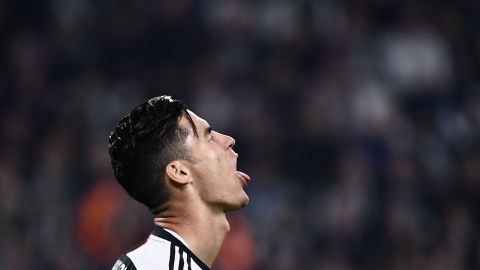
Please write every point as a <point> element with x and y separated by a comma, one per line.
<point>358,122</point>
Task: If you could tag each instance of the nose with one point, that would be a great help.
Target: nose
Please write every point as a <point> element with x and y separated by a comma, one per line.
<point>229,142</point>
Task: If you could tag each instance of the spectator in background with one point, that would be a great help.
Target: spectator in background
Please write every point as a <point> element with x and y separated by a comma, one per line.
<point>333,94</point>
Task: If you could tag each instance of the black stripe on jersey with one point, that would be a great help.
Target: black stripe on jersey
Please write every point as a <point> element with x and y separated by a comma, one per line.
<point>180,260</point>
<point>124,263</point>
<point>189,262</point>
<point>172,256</point>
<point>159,232</point>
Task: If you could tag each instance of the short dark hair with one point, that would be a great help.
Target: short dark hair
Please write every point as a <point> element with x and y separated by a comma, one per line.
<point>143,144</point>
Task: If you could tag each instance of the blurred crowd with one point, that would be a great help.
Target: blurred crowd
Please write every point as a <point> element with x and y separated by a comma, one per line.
<point>358,121</point>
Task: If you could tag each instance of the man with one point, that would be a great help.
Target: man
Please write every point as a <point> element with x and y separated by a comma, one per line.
<point>171,160</point>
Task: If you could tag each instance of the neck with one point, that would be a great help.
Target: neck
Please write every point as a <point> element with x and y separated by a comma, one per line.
<point>203,228</point>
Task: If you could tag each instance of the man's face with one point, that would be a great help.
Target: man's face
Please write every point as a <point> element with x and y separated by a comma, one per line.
<point>214,166</point>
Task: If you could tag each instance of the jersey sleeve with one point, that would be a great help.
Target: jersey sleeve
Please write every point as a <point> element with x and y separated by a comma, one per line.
<point>124,263</point>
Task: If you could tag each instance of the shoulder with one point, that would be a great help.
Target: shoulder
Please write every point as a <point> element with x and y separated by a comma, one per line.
<point>124,263</point>
<point>153,254</point>
<point>161,251</point>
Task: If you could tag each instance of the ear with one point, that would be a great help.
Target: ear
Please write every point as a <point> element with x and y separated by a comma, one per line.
<point>178,172</point>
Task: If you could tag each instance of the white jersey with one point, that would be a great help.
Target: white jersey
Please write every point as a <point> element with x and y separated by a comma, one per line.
<point>163,250</point>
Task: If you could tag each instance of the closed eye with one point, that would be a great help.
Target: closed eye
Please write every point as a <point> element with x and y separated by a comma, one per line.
<point>208,132</point>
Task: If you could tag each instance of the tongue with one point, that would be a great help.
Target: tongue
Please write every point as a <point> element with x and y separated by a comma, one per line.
<point>244,175</point>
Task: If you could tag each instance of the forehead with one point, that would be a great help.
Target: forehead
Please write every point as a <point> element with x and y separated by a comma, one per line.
<point>199,122</point>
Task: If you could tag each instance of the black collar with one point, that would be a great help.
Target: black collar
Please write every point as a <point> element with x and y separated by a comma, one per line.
<point>160,232</point>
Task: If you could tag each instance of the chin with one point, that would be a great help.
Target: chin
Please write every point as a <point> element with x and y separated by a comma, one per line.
<point>240,204</point>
